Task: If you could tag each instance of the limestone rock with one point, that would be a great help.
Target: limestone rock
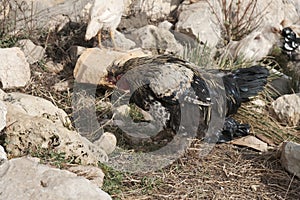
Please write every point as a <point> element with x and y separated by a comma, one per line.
<point>36,106</point>
<point>121,42</point>
<point>46,14</point>
<point>63,86</point>
<point>256,45</point>
<point>33,52</point>
<point>197,20</point>
<point>54,67</point>
<point>155,9</point>
<point>165,25</point>
<point>94,174</point>
<point>107,142</point>
<point>290,157</point>
<point>3,112</point>
<point>3,156</point>
<point>158,40</point>
<point>14,70</point>
<point>24,178</point>
<point>287,109</point>
<point>91,65</point>
<point>75,52</point>
<point>27,133</point>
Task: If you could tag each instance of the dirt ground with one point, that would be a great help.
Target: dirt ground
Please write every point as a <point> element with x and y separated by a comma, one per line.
<point>228,172</point>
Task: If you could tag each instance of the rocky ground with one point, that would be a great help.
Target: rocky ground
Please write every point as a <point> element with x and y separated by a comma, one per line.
<point>44,71</point>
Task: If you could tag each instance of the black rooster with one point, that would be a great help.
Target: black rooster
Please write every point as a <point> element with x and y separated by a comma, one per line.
<point>184,98</point>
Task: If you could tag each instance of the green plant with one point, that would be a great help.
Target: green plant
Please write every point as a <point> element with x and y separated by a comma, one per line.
<point>51,156</point>
<point>112,180</point>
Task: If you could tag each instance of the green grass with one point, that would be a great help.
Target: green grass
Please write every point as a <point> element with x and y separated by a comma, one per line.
<point>52,157</point>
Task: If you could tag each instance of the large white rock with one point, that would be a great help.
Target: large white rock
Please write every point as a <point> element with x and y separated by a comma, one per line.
<point>48,14</point>
<point>92,64</point>
<point>197,20</point>
<point>290,157</point>
<point>14,69</point>
<point>27,133</point>
<point>155,9</point>
<point>156,39</point>
<point>3,111</point>
<point>35,106</point>
<point>255,45</point>
<point>24,178</point>
<point>33,52</point>
<point>287,109</point>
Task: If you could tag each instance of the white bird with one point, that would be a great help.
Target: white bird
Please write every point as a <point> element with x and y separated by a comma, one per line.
<point>104,14</point>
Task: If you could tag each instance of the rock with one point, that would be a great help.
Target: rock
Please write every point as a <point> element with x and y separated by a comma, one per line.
<point>14,70</point>
<point>54,67</point>
<point>255,45</point>
<point>282,85</point>
<point>251,142</point>
<point>94,174</point>
<point>290,157</point>
<point>3,156</point>
<point>75,52</point>
<point>121,42</point>
<point>154,9</point>
<point>107,142</point>
<point>40,14</point>
<point>3,112</point>
<point>35,106</point>
<point>63,86</point>
<point>24,178</point>
<point>32,52</point>
<point>199,21</point>
<point>165,25</point>
<point>133,22</point>
<point>28,133</point>
<point>287,109</point>
<point>156,39</point>
<point>91,65</point>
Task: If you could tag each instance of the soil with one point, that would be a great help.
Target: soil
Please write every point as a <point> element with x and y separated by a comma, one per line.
<point>228,172</point>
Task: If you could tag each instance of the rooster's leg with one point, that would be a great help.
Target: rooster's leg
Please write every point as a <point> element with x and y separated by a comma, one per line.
<point>112,36</point>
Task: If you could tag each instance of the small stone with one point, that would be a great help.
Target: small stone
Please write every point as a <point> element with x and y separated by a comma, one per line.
<point>75,52</point>
<point>54,67</point>
<point>107,142</point>
<point>287,109</point>
<point>165,25</point>
<point>34,53</point>
<point>156,39</point>
<point>121,41</point>
<point>14,69</point>
<point>63,86</point>
<point>290,157</point>
<point>94,174</point>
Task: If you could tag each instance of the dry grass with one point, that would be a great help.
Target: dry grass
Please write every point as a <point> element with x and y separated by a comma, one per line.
<point>228,172</point>
<point>238,18</point>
